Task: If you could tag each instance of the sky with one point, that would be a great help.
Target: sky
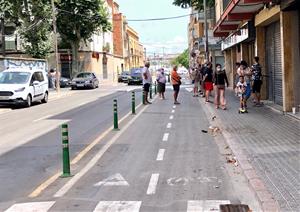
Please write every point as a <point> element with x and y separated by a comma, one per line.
<point>168,36</point>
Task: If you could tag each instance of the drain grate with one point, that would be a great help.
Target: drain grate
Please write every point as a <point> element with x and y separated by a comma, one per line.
<point>234,208</point>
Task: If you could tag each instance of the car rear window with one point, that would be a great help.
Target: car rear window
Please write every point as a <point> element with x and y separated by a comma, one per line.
<point>84,75</point>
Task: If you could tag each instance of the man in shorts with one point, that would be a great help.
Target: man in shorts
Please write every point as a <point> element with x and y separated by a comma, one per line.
<point>257,81</point>
<point>147,80</point>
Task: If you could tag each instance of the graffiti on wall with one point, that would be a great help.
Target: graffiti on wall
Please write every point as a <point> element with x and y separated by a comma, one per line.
<point>25,64</point>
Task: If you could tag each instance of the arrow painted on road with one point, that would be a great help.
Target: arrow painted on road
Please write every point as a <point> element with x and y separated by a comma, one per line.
<point>114,180</point>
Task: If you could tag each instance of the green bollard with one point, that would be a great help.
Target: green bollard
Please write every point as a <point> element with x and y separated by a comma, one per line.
<point>133,102</point>
<point>155,88</point>
<point>143,98</point>
<point>66,155</point>
<point>151,91</point>
<point>116,124</point>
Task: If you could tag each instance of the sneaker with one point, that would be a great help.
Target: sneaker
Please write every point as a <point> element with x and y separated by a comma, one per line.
<point>176,103</point>
<point>149,103</point>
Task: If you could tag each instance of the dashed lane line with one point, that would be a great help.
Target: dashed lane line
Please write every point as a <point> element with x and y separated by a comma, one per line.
<point>160,155</point>
<point>165,137</point>
<point>169,125</point>
<point>120,206</point>
<point>31,206</point>
<point>173,111</point>
<point>174,106</point>
<point>152,184</point>
<point>171,117</point>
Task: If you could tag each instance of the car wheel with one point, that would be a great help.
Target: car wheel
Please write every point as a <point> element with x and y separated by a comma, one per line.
<point>73,88</point>
<point>45,99</point>
<point>28,102</point>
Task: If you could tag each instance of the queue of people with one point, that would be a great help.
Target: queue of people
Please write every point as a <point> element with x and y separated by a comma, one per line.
<point>206,79</point>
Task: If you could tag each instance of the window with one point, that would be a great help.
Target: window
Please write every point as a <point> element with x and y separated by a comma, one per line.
<point>39,76</point>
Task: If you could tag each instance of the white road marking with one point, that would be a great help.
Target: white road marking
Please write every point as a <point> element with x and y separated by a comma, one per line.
<point>31,207</point>
<point>178,181</point>
<point>205,205</point>
<point>44,117</point>
<point>174,106</point>
<point>95,159</point>
<point>152,184</point>
<point>114,180</point>
<point>189,89</point>
<point>173,111</point>
<point>169,125</point>
<point>171,117</point>
<point>166,137</point>
<point>160,155</point>
<point>120,206</point>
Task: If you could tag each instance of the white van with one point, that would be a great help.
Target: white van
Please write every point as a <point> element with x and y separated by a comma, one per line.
<point>22,86</point>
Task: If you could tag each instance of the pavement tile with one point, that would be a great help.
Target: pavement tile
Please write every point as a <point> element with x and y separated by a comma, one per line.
<point>270,206</point>
<point>251,174</point>
<point>264,196</point>
<point>245,164</point>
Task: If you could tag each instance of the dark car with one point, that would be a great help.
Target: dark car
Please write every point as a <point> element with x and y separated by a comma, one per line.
<point>123,77</point>
<point>135,77</point>
<point>85,80</point>
<point>64,82</point>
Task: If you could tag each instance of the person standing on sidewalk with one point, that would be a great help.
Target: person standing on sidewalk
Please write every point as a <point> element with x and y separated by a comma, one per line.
<point>146,81</point>
<point>195,76</point>
<point>161,83</point>
<point>176,82</point>
<point>208,81</point>
<point>246,72</point>
<point>257,81</point>
<point>220,79</point>
<point>237,77</point>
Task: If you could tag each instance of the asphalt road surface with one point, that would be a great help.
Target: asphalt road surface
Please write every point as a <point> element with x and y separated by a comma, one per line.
<point>159,160</point>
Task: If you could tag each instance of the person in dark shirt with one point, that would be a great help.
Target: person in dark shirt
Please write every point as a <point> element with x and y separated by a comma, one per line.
<point>208,81</point>
<point>220,79</point>
<point>257,81</point>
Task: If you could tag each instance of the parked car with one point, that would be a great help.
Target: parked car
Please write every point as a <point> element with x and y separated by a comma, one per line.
<point>64,82</point>
<point>135,77</point>
<point>85,80</point>
<point>22,86</point>
<point>123,77</point>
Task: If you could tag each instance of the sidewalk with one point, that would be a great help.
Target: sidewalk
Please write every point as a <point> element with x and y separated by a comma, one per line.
<point>267,146</point>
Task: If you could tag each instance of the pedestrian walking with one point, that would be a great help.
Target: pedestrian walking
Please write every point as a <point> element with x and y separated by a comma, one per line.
<point>195,76</point>
<point>52,78</point>
<point>241,87</point>
<point>245,71</point>
<point>161,83</point>
<point>256,81</point>
<point>176,82</point>
<point>220,80</point>
<point>146,82</point>
<point>208,81</point>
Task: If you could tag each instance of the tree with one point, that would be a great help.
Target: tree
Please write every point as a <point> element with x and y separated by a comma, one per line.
<point>33,21</point>
<point>78,20</point>
<point>198,4</point>
<point>182,59</point>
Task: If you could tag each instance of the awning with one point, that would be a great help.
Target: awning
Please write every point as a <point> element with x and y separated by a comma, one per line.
<point>236,12</point>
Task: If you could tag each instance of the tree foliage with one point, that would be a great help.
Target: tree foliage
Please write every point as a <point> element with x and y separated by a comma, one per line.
<point>198,4</point>
<point>182,59</point>
<point>78,20</point>
<point>33,22</point>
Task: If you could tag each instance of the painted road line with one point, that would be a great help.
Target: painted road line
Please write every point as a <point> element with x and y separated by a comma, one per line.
<point>165,137</point>
<point>171,117</point>
<point>173,111</point>
<point>169,125</point>
<point>120,206</point>
<point>52,179</point>
<point>174,106</point>
<point>152,184</point>
<point>31,207</point>
<point>45,117</point>
<point>114,180</point>
<point>96,158</point>
<point>160,155</point>
<point>205,205</point>
<point>189,89</point>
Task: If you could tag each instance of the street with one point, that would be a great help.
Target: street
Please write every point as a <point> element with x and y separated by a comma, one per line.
<point>158,161</point>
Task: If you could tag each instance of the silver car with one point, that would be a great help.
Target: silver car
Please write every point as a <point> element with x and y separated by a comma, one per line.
<point>85,80</point>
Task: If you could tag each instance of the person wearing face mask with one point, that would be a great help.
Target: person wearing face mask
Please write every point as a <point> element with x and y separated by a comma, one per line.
<point>220,79</point>
<point>245,71</point>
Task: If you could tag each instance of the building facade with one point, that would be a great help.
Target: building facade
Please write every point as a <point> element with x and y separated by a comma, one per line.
<point>270,30</point>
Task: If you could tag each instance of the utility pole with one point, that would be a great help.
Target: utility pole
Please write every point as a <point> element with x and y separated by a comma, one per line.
<point>55,46</point>
<point>2,34</point>
<point>206,31</point>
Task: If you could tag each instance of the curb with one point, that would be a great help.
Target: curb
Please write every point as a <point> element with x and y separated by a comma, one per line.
<point>263,196</point>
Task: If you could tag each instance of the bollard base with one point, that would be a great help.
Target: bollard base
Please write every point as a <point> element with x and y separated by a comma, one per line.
<point>117,129</point>
<point>66,175</point>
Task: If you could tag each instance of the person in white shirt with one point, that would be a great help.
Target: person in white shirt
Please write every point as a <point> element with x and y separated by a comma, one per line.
<point>161,83</point>
<point>147,80</point>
